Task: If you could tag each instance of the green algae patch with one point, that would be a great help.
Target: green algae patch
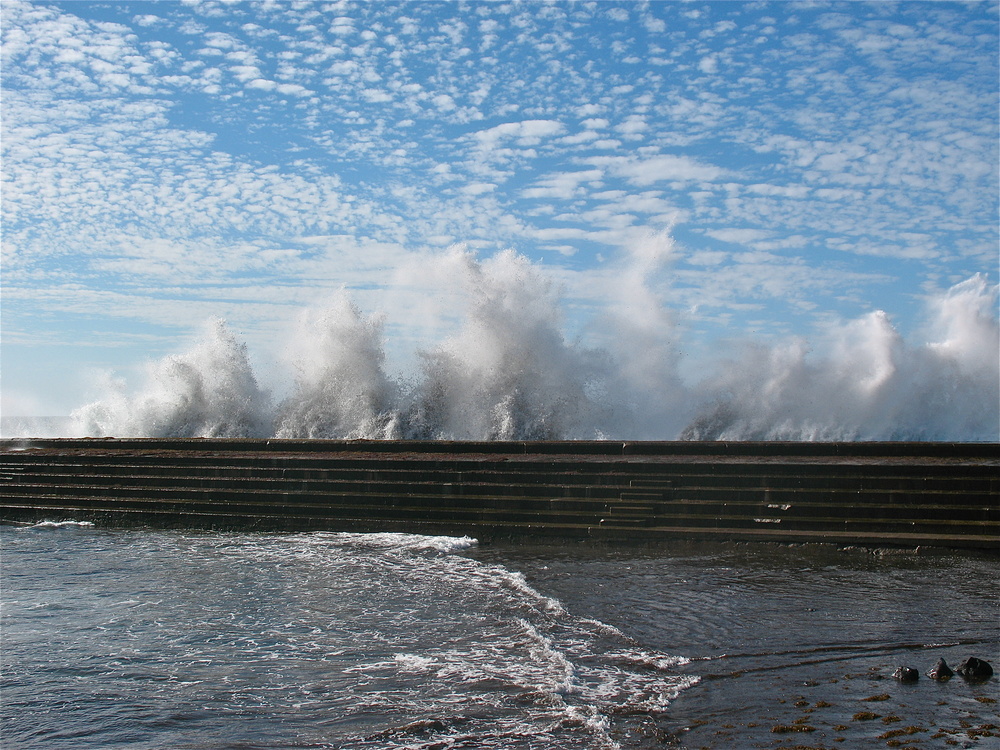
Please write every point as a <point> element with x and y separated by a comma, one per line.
<point>865,716</point>
<point>790,728</point>
<point>900,732</point>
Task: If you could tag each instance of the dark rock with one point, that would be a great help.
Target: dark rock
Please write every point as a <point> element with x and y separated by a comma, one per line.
<point>940,671</point>
<point>975,669</point>
<point>906,674</point>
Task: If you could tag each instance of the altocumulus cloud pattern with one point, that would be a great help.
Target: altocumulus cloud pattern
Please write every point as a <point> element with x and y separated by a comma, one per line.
<point>502,219</point>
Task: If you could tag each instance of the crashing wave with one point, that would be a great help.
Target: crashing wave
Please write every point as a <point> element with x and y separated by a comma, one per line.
<point>509,372</point>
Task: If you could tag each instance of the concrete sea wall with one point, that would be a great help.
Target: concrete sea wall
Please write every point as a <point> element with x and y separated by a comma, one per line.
<point>908,494</point>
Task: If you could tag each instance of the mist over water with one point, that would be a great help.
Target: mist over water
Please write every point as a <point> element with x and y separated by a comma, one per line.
<point>510,372</point>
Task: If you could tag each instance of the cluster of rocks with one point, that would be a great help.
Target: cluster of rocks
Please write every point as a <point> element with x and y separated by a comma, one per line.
<point>972,669</point>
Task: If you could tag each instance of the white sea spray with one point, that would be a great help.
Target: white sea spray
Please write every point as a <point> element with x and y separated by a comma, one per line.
<point>208,391</point>
<point>867,382</point>
<point>341,389</point>
<point>508,370</point>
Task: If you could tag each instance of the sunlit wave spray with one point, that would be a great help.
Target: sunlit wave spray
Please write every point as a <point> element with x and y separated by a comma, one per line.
<point>870,384</point>
<point>208,391</point>
<point>510,372</point>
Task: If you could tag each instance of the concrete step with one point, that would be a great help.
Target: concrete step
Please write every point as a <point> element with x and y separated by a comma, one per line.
<point>447,484</point>
<point>646,450</point>
<point>909,493</point>
<point>807,496</point>
<point>513,483</point>
<point>265,520</point>
<point>973,477</point>
<point>412,508</point>
<point>738,514</point>
<point>701,501</point>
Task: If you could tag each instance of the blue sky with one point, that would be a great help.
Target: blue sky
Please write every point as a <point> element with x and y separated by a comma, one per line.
<point>768,167</point>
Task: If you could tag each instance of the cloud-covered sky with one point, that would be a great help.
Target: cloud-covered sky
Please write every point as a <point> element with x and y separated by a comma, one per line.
<point>165,162</point>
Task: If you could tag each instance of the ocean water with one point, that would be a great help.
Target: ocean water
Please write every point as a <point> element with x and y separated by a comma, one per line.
<point>181,639</point>
<point>120,639</point>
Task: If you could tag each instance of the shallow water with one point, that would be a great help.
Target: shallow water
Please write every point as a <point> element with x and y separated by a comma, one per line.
<point>795,645</point>
<point>168,639</point>
<point>118,639</point>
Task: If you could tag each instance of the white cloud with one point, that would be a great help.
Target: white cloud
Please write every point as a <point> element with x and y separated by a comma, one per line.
<point>443,102</point>
<point>741,236</point>
<point>293,89</point>
<point>478,188</point>
<point>632,124</point>
<point>661,168</point>
<point>527,132</point>
<point>262,84</point>
<point>654,25</point>
<point>785,191</point>
<point>564,185</point>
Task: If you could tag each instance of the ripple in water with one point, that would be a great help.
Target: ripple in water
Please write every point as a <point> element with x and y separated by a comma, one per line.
<point>164,639</point>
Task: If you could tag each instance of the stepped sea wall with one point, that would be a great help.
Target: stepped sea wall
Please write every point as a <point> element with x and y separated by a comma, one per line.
<point>870,493</point>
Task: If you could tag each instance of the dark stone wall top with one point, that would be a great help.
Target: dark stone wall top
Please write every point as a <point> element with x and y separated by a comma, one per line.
<point>552,450</point>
